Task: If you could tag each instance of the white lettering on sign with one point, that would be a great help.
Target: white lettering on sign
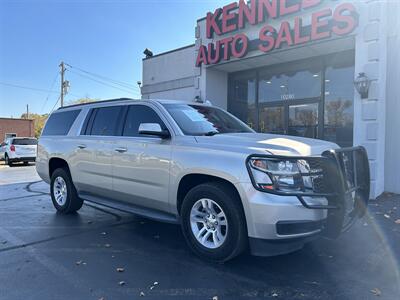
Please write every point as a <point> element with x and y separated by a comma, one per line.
<point>287,97</point>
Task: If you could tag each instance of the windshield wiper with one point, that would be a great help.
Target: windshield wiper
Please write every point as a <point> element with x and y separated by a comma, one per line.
<point>211,133</point>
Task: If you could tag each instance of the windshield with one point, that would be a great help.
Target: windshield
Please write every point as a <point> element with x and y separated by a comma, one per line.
<point>204,120</point>
<point>26,141</point>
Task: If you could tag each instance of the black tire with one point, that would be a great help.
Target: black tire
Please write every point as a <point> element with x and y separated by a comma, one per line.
<point>236,235</point>
<point>72,203</point>
<point>26,163</point>
<point>7,160</point>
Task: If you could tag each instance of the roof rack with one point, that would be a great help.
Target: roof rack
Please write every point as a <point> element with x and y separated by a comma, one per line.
<point>95,102</point>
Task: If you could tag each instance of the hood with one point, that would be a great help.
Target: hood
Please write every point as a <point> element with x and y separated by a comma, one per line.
<point>259,143</point>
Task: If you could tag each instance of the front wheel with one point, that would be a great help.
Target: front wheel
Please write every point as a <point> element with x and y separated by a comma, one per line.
<point>213,222</point>
<point>63,193</point>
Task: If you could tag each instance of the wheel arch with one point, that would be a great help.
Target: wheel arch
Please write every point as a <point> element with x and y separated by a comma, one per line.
<point>56,163</point>
<point>189,181</point>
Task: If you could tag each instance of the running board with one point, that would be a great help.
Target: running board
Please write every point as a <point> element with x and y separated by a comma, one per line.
<point>131,208</point>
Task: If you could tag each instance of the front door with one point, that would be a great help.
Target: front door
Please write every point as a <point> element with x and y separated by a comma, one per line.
<point>297,117</point>
<point>289,100</point>
<point>141,163</point>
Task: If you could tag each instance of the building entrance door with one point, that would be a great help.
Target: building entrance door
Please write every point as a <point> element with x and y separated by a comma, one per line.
<point>309,98</point>
<point>296,117</point>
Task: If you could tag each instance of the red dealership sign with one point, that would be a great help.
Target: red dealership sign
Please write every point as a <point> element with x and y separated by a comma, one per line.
<point>340,21</point>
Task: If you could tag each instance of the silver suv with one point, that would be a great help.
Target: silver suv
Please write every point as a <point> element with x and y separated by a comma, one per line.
<point>198,166</point>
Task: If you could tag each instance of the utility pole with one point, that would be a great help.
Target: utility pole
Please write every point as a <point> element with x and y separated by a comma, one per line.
<point>27,111</point>
<point>62,83</point>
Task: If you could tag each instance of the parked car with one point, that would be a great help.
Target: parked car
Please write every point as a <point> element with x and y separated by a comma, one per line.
<point>19,149</point>
<point>199,166</point>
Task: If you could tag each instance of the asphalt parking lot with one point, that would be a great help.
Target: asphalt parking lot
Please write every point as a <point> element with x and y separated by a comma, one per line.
<point>100,253</point>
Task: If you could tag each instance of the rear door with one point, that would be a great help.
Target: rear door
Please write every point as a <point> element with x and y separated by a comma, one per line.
<point>141,163</point>
<point>25,147</point>
<point>94,150</point>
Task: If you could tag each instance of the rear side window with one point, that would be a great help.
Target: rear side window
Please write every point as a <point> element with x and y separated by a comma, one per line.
<point>24,141</point>
<point>138,114</point>
<point>60,123</point>
<point>104,121</point>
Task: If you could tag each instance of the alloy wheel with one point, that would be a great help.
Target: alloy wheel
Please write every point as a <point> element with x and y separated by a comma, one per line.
<point>60,192</point>
<point>208,223</point>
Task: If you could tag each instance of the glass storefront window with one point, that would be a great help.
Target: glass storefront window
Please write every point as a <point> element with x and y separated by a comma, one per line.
<point>289,85</point>
<point>243,94</point>
<point>339,111</point>
<point>303,120</point>
<point>272,120</point>
<point>311,98</point>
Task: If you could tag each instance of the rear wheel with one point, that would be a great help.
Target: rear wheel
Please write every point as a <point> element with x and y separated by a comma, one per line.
<point>213,222</point>
<point>7,160</point>
<point>63,193</point>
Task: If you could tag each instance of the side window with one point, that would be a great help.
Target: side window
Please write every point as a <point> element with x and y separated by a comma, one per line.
<point>138,114</point>
<point>59,123</point>
<point>106,120</point>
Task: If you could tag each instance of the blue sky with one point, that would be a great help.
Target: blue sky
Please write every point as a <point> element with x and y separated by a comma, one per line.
<point>103,37</point>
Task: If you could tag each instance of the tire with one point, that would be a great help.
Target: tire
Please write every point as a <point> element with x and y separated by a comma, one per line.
<point>7,160</point>
<point>26,163</point>
<point>231,238</point>
<point>63,193</point>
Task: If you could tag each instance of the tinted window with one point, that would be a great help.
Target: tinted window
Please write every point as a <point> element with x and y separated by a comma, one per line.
<point>204,120</point>
<point>138,114</point>
<point>24,141</point>
<point>60,123</point>
<point>106,120</point>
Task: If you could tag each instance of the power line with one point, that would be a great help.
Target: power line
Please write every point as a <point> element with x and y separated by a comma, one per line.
<point>48,95</point>
<point>59,97</point>
<point>102,82</point>
<point>104,78</point>
<point>32,88</point>
<point>27,87</point>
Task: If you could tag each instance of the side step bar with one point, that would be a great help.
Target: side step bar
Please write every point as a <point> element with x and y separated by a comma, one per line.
<point>131,208</point>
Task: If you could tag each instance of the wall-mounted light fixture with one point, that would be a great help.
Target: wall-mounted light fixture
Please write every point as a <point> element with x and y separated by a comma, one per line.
<point>362,84</point>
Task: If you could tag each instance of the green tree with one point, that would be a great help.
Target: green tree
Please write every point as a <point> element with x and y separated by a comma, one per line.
<point>39,121</point>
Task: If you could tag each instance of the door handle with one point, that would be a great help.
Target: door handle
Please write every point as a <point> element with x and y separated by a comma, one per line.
<point>82,146</point>
<point>121,149</point>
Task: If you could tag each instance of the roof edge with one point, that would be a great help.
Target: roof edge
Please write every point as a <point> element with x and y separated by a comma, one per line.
<point>170,51</point>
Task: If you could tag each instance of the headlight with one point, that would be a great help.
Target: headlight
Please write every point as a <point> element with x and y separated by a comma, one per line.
<point>285,175</point>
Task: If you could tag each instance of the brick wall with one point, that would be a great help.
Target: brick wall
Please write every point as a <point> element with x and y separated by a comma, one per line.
<point>21,127</point>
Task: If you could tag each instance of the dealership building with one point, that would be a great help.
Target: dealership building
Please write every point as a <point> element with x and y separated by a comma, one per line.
<point>316,68</point>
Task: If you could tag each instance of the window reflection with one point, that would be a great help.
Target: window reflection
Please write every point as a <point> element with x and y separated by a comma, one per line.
<point>289,85</point>
<point>243,105</point>
<point>303,120</point>
<point>339,95</point>
<point>272,120</point>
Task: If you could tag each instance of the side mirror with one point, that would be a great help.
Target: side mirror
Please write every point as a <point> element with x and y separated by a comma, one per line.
<point>153,129</point>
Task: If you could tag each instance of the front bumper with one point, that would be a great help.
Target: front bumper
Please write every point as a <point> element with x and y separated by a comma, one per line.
<point>281,222</point>
<point>266,214</point>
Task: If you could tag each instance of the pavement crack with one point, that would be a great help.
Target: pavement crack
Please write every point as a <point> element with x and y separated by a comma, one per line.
<point>21,197</point>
